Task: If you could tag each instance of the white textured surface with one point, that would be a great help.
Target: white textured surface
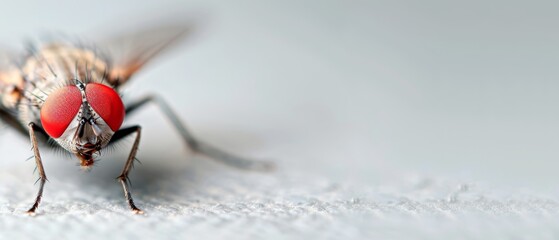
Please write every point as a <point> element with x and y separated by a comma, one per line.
<point>205,201</point>
<point>387,119</point>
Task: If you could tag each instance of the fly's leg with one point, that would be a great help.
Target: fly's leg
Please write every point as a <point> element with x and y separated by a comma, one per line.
<point>42,175</point>
<point>123,178</point>
<point>195,144</point>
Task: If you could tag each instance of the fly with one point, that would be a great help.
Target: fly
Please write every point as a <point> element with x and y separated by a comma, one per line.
<point>68,94</point>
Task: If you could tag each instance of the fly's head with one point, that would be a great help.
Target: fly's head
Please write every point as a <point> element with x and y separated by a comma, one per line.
<point>82,118</point>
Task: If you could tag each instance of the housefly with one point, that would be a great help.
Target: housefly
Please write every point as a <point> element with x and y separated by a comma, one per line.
<point>66,93</point>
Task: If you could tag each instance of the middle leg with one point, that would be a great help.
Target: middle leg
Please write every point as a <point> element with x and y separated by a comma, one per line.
<point>195,144</point>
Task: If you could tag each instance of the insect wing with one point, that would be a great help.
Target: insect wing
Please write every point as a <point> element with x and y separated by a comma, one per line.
<point>132,51</point>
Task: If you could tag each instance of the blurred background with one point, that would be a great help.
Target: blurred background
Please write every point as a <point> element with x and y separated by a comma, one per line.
<point>360,92</point>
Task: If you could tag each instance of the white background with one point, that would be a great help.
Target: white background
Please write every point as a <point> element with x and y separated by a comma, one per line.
<point>421,118</point>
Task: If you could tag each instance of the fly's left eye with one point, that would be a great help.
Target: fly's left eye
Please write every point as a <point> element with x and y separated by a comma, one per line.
<point>60,108</point>
<point>107,103</point>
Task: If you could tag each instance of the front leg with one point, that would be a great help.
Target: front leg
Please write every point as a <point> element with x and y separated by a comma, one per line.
<point>42,175</point>
<point>195,144</point>
<point>123,178</point>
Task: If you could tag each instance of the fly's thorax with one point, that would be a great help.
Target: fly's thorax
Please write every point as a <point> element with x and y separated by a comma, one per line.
<point>57,64</point>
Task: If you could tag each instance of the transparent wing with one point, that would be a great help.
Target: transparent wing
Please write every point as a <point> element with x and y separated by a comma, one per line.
<point>132,50</point>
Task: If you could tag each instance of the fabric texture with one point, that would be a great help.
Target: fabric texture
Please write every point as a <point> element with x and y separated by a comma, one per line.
<point>199,199</point>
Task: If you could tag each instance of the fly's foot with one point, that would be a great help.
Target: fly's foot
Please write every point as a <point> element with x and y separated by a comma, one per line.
<point>263,166</point>
<point>138,211</point>
<point>31,213</point>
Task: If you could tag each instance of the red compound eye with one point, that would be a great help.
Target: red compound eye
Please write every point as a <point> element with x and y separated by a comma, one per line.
<point>107,103</point>
<point>60,109</point>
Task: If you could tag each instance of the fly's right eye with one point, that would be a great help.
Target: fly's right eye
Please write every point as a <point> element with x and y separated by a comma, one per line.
<point>60,108</point>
